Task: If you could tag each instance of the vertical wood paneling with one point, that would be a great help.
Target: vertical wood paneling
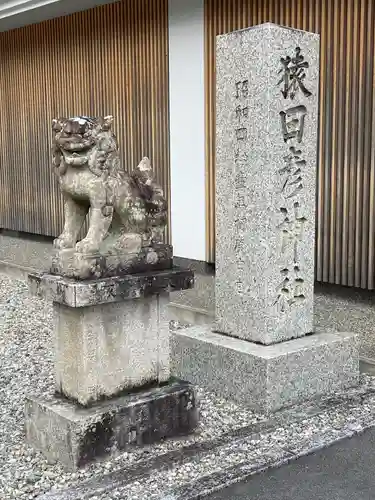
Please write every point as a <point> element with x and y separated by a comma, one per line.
<point>345,232</point>
<point>108,60</point>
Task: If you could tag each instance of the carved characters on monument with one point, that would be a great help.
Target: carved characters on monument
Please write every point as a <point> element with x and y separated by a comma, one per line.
<point>241,110</point>
<point>290,290</point>
<point>291,229</point>
<point>242,89</point>
<point>241,113</point>
<point>293,75</point>
<point>293,122</point>
<point>241,116</point>
<point>291,174</point>
<point>240,190</point>
<point>241,223</point>
<point>241,134</point>
<point>128,211</point>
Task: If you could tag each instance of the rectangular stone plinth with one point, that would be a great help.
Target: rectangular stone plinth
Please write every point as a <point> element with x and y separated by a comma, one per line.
<point>266,151</point>
<point>74,293</point>
<point>104,349</point>
<point>73,264</point>
<point>266,378</point>
<point>110,334</point>
<point>75,436</point>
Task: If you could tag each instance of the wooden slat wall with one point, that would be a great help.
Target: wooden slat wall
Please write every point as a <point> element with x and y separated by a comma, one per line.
<point>108,60</point>
<point>345,244</point>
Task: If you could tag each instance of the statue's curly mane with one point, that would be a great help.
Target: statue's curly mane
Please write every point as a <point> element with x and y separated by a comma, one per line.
<point>107,156</point>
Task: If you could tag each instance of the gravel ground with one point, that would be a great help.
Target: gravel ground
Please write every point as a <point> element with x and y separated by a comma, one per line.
<point>26,368</point>
<point>236,460</point>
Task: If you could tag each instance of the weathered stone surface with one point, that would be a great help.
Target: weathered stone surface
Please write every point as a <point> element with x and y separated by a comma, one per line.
<point>73,264</point>
<point>110,294</point>
<point>267,115</point>
<point>266,378</point>
<point>105,349</point>
<point>128,211</point>
<point>75,436</point>
<point>74,293</point>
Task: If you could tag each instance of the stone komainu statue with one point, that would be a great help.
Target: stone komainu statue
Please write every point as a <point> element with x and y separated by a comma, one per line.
<point>128,211</point>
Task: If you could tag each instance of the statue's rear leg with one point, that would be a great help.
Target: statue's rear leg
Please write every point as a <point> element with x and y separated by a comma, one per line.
<point>74,217</point>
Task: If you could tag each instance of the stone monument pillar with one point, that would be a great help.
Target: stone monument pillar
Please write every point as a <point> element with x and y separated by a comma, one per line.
<point>261,350</point>
<point>110,293</point>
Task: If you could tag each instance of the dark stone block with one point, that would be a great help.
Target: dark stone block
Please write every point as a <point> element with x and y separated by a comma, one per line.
<point>75,293</point>
<point>75,436</point>
<point>72,264</point>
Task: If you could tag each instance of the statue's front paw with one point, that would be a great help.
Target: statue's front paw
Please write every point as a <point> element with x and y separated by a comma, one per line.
<point>85,246</point>
<point>61,243</point>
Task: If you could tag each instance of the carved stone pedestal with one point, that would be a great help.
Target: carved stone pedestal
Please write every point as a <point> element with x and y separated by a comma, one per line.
<point>112,371</point>
<point>73,264</point>
<point>266,378</point>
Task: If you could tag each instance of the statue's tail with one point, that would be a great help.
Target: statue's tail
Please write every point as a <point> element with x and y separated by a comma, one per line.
<point>143,179</point>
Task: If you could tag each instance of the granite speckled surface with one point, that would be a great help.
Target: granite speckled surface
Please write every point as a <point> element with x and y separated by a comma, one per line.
<point>336,308</point>
<point>265,184</point>
<point>266,378</point>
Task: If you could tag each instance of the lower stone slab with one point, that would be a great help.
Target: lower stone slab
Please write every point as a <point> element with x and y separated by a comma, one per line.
<point>75,436</point>
<point>266,378</point>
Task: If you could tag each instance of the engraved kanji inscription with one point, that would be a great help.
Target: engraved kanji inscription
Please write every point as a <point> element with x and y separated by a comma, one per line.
<point>239,201</point>
<point>291,173</point>
<point>291,229</point>
<point>293,122</point>
<point>290,289</point>
<point>242,89</point>
<point>293,75</point>
<point>242,112</point>
<point>239,189</point>
<point>291,180</point>
<point>240,155</point>
<point>241,225</point>
<point>240,180</point>
<point>241,134</point>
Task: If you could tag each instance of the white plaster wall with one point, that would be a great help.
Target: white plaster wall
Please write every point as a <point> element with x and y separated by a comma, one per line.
<point>187,134</point>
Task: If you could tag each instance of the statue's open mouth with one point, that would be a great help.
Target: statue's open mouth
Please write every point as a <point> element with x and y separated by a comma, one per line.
<point>75,159</point>
<point>74,144</point>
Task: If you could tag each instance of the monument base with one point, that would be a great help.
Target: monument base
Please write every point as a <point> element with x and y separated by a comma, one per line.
<point>81,266</point>
<point>75,436</point>
<point>266,378</point>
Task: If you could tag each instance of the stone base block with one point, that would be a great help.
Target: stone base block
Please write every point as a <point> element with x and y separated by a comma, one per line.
<point>103,350</point>
<point>266,378</point>
<point>75,436</point>
<point>73,264</point>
